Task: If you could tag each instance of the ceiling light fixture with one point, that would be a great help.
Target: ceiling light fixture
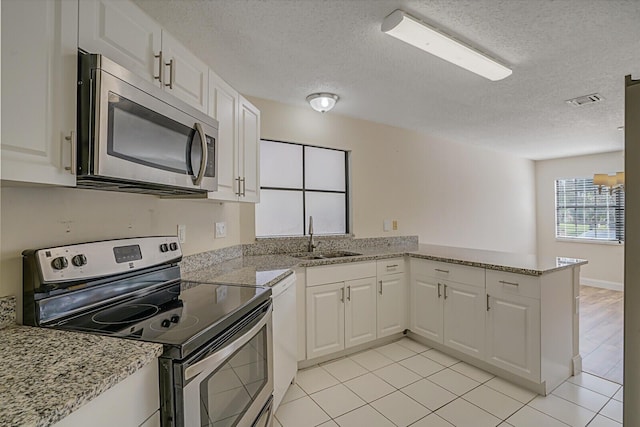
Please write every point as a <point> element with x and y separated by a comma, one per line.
<point>323,101</point>
<point>415,32</point>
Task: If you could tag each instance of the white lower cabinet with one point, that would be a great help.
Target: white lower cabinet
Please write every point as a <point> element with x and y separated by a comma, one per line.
<point>391,304</point>
<point>133,402</point>
<point>464,316</point>
<point>340,315</point>
<point>325,319</point>
<point>360,311</point>
<point>426,307</point>
<point>513,334</point>
<point>449,313</point>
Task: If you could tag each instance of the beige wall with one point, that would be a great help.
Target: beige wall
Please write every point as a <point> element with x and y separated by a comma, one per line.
<point>606,261</point>
<point>38,217</point>
<point>445,193</point>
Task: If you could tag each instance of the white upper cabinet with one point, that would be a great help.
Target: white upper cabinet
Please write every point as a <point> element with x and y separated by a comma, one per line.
<point>224,106</point>
<point>238,143</point>
<point>184,75</point>
<point>249,151</point>
<point>123,33</point>
<point>39,75</point>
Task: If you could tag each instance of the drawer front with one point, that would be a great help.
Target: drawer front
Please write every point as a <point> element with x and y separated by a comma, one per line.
<point>514,284</point>
<point>340,272</point>
<point>473,276</point>
<point>390,266</point>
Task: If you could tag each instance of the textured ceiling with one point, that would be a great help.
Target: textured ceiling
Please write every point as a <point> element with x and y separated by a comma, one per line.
<point>558,49</point>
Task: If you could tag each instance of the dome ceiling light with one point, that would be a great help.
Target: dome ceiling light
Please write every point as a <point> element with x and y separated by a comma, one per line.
<point>322,101</point>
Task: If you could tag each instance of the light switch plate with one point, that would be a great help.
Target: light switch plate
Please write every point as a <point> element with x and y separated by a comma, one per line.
<point>386,225</point>
<point>182,233</point>
<point>395,224</point>
<point>221,229</point>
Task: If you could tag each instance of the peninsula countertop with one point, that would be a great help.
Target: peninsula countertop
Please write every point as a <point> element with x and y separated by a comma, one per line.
<point>266,270</point>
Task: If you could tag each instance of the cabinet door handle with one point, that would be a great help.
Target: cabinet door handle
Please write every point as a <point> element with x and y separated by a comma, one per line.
<point>445,291</point>
<point>244,186</point>
<point>160,67</point>
<point>389,267</point>
<point>170,64</point>
<point>341,294</point>
<point>508,283</point>
<point>74,160</point>
<point>348,293</point>
<point>488,308</point>
<point>442,271</point>
<point>380,287</point>
<point>238,193</point>
<point>439,294</point>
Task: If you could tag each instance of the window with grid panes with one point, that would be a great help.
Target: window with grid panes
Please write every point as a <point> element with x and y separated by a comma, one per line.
<point>298,181</point>
<point>582,212</point>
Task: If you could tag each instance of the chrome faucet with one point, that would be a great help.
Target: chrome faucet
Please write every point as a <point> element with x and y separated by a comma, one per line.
<point>312,245</point>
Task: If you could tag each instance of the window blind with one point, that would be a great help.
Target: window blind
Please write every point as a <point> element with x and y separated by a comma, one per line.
<point>584,213</point>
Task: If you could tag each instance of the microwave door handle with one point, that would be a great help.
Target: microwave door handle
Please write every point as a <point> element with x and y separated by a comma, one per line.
<point>205,154</point>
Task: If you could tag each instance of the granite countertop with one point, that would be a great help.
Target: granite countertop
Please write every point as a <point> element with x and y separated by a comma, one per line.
<point>47,374</point>
<point>266,270</point>
<point>493,260</point>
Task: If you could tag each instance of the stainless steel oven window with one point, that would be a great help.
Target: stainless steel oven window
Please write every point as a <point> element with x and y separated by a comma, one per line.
<point>226,394</point>
<point>231,385</point>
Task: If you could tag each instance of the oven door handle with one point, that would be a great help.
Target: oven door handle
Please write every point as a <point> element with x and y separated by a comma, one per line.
<point>212,362</point>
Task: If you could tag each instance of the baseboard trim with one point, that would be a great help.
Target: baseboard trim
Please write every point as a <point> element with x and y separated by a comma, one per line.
<point>614,286</point>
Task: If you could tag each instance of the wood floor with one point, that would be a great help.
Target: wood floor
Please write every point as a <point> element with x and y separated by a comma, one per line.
<point>601,332</point>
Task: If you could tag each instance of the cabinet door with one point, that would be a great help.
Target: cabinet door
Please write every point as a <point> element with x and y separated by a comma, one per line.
<point>464,318</point>
<point>513,334</point>
<point>426,307</point>
<point>123,33</point>
<point>325,319</point>
<point>249,151</point>
<point>224,107</point>
<point>39,82</point>
<point>391,305</point>
<point>360,311</point>
<point>184,75</point>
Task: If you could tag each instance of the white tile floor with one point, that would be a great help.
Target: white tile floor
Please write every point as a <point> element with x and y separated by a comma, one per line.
<point>408,384</point>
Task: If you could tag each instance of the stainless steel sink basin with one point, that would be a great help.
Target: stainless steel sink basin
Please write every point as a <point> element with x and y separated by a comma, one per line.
<point>324,255</point>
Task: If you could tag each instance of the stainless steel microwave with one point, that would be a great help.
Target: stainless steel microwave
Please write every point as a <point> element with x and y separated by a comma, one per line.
<point>135,137</point>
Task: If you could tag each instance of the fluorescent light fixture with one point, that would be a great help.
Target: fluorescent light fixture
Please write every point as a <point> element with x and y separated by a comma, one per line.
<point>415,32</point>
<point>322,102</point>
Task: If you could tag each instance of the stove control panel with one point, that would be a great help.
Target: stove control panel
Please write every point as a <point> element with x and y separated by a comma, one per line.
<point>96,259</point>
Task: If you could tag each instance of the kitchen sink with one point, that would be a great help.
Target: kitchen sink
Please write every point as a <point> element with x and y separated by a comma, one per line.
<point>324,255</point>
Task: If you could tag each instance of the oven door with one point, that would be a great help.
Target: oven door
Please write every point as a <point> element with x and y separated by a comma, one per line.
<point>140,137</point>
<point>231,385</point>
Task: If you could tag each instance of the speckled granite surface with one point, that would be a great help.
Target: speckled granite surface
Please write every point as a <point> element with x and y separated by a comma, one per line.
<point>261,270</point>
<point>205,259</point>
<point>7,311</point>
<point>493,260</point>
<point>287,245</point>
<point>47,374</point>
<point>269,269</point>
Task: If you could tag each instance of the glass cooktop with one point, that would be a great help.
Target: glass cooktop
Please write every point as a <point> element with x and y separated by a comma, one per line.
<point>182,315</point>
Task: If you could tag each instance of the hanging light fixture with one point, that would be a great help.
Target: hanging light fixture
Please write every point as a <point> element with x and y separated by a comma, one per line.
<point>322,101</point>
<point>613,182</point>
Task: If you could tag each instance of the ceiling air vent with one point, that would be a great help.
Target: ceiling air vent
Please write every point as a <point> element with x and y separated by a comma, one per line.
<point>586,99</point>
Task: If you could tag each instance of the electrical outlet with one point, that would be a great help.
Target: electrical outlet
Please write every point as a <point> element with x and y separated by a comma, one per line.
<point>395,224</point>
<point>386,225</point>
<point>221,230</point>
<point>182,233</point>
